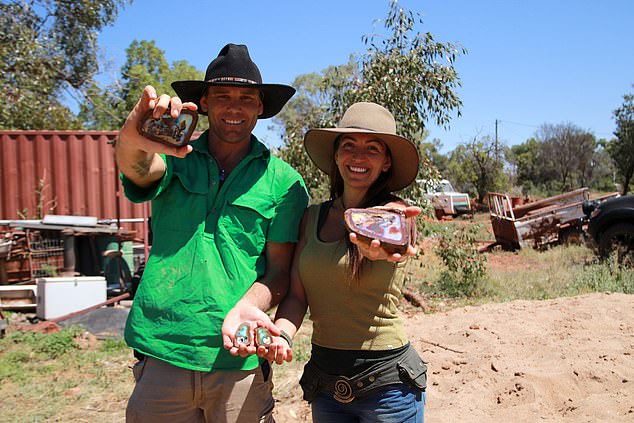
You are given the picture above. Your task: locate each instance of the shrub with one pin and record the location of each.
(466, 267)
(55, 345)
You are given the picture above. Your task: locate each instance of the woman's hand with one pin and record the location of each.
(278, 351)
(374, 251)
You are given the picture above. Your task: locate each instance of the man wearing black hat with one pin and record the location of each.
(225, 218)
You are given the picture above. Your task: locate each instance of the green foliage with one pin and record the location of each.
(478, 167)
(308, 109)
(43, 206)
(301, 348)
(466, 267)
(48, 49)
(567, 153)
(61, 376)
(113, 345)
(431, 150)
(603, 277)
(604, 170)
(412, 75)
(407, 71)
(527, 274)
(56, 344)
(49, 270)
(45, 346)
(526, 159)
(621, 149)
(17, 357)
(560, 158)
(427, 225)
(107, 108)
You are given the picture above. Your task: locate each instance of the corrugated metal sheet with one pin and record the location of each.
(65, 173)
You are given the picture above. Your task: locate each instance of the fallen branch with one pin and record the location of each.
(414, 299)
(441, 346)
(487, 247)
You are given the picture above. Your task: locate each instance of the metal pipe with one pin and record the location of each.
(96, 306)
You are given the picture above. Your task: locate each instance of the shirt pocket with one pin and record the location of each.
(247, 220)
(182, 207)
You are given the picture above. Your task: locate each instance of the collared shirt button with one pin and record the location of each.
(371, 379)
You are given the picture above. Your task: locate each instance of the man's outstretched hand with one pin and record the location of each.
(243, 312)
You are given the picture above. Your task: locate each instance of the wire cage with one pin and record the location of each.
(46, 248)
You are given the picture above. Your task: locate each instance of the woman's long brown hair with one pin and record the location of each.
(377, 195)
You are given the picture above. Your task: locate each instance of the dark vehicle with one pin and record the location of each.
(611, 227)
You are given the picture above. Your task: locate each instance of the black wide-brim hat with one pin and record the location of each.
(234, 67)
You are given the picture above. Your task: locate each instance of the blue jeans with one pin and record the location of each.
(391, 404)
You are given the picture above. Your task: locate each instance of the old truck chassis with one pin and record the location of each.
(538, 223)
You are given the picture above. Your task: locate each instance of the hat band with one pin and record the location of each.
(358, 127)
(233, 79)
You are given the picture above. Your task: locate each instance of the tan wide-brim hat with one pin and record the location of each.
(366, 118)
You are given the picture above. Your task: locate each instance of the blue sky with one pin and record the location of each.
(528, 63)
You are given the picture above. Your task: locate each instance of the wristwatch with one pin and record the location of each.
(287, 338)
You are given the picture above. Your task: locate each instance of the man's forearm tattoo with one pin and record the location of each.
(142, 167)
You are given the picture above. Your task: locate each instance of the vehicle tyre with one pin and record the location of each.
(618, 240)
(571, 236)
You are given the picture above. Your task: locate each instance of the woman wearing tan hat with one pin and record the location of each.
(362, 367)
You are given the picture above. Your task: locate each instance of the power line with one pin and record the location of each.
(517, 123)
(538, 126)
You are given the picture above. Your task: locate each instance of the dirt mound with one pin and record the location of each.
(562, 360)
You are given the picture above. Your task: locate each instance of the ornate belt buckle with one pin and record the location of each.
(343, 390)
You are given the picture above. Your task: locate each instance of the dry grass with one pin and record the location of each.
(90, 380)
(529, 274)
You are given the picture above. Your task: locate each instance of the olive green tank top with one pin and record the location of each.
(349, 316)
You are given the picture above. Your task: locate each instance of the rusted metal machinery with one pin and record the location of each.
(539, 223)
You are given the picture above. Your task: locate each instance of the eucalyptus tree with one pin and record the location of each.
(309, 108)
(621, 149)
(107, 107)
(410, 73)
(527, 159)
(475, 166)
(407, 71)
(567, 153)
(48, 54)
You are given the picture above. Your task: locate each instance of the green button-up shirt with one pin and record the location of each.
(208, 249)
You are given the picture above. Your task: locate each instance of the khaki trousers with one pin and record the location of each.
(168, 394)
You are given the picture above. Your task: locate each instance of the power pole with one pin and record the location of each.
(497, 149)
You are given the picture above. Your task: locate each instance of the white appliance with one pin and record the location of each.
(60, 296)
